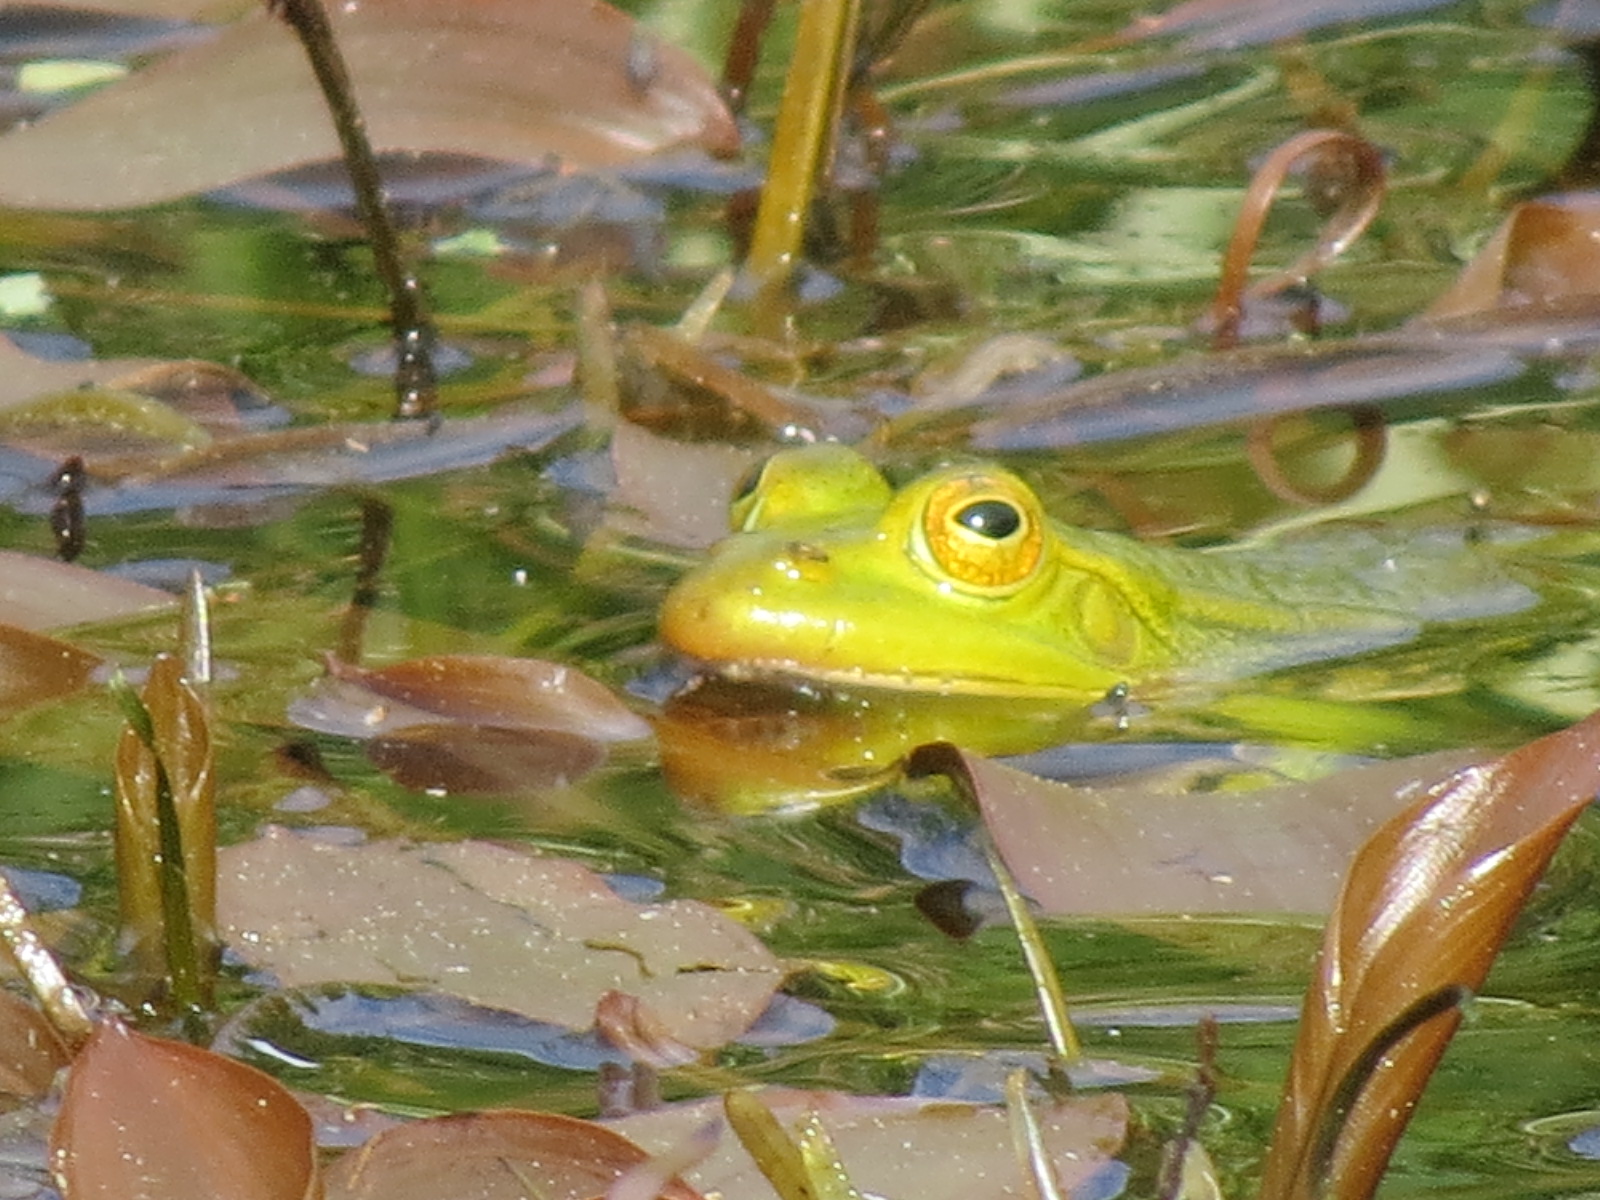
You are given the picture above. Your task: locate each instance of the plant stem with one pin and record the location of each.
(416, 388)
(802, 144)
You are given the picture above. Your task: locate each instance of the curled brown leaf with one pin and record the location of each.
(1345, 179)
(1426, 906)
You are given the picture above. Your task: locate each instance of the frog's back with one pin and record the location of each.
(1245, 609)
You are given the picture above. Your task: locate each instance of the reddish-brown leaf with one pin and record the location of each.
(516, 80)
(1545, 254)
(145, 1119)
(467, 689)
(1426, 905)
(491, 1156)
(35, 668)
(30, 1051)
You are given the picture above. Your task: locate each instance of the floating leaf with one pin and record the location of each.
(41, 593)
(472, 724)
(539, 936)
(145, 1119)
(1194, 393)
(1427, 904)
(898, 1146)
(24, 376)
(492, 1156)
(30, 1051)
(1545, 254)
(467, 689)
(252, 469)
(517, 80)
(1134, 850)
(34, 668)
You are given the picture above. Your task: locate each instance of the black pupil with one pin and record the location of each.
(993, 519)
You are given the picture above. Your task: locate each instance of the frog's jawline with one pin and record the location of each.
(786, 671)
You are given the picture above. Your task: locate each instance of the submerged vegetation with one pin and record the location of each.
(407, 811)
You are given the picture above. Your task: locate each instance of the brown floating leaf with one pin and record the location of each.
(41, 593)
(34, 668)
(1428, 901)
(145, 1119)
(1545, 254)
(491, 1156)
(539, 936)
(900, 1146)
(30, 1051)
(517, 80)
(467, 689)
(1132, 850)
(472, 724)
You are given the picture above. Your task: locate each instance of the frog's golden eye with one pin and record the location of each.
(984, 533)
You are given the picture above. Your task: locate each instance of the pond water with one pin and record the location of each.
(1035, 189)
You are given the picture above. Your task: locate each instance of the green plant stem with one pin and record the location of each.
(802, 143)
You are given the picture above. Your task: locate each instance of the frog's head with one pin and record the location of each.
(957, 583)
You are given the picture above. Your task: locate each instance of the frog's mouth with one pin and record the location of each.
(796, 676)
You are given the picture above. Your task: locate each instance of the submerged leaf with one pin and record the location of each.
(483, 760)
(1425, 908)
(516, 80)
(145, 1119)
(534, 935)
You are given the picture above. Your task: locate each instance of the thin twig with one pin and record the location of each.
(416, 387)
(1046, 983)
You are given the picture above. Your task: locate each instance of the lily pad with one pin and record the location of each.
(539, 936)
(1135, 851)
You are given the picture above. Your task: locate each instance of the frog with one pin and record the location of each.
(960, 583)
